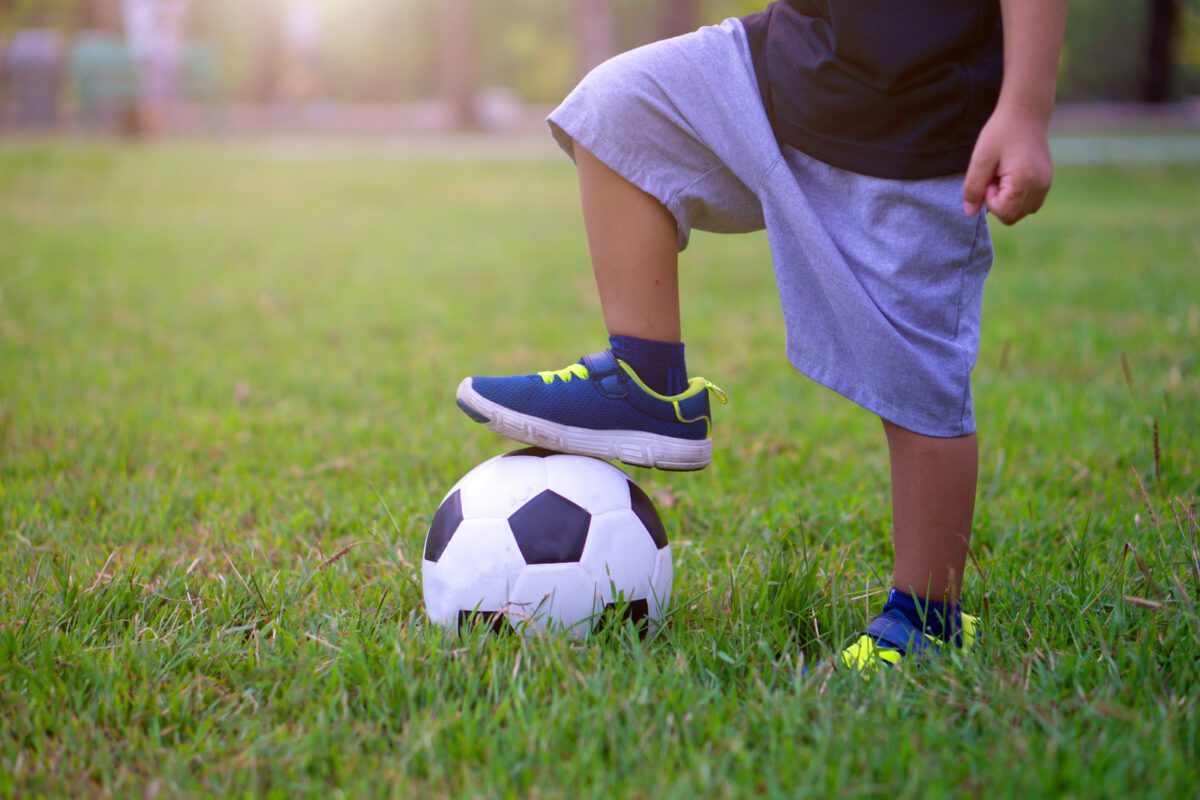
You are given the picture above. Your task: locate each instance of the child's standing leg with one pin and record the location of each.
(933, 502)
(632, 239)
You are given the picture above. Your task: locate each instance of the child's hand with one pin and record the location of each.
(1010, 168)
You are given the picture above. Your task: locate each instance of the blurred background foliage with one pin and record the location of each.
(394, 50)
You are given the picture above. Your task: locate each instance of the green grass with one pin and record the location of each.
(219, 368)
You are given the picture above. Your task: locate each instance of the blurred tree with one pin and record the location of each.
(1160, 56)
(101, 15)
(18, 14)
(1098, 60)
(458, 61)
(530, 46)
(265, 28)
(680, 16)
(402, 50)
(597, 30)
(1189, 50)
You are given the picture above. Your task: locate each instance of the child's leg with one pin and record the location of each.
(667, 138)
(633, 243)
(632, 240)
(933, 502)
(633, 402)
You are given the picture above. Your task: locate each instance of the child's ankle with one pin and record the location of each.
(660, 365)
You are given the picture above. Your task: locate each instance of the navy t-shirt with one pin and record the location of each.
(890, 88)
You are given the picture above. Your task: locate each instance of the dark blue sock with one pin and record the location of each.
(659, 364)
(942, 620)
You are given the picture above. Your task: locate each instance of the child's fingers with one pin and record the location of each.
(1003, 203)
(1013, 200)
(978, 181)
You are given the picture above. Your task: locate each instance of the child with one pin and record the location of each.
(844, 127)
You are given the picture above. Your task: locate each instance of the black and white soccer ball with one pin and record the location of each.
(538, 541)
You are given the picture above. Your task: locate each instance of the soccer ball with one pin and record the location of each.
(539, 541)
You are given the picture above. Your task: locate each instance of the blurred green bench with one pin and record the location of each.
(105, 78)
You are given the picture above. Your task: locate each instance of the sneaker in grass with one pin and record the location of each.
(891, 638)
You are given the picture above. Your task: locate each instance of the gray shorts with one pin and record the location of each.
(880, 280)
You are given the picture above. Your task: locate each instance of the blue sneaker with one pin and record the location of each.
(598, 407)
(892, 638)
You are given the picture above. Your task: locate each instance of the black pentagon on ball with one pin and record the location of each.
(643, 506)
(534, 452)
(550, 529)
(635, 611)
(491, 621)
(445, 522)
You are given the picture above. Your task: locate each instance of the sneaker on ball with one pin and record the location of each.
(598, 407)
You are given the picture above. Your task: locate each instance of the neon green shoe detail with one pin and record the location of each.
(695, 386)
(971, 632)
(890, 637)
(865, 655)
(566, 374)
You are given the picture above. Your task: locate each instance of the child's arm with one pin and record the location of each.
(1010, 168)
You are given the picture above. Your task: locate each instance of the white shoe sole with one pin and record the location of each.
(638, 448)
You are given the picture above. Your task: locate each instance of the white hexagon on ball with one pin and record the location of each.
(500, 486)
(555, 598)
(591, 483)
(487, 545)
(620, 556)
(660, 587)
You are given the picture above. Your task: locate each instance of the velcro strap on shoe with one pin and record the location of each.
(897, 632)
(606, 374)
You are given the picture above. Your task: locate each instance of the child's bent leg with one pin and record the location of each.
(662, 148)
(933, 503)
(633, 402)
(633, 244)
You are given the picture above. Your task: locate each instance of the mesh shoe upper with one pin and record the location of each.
(604, 395)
